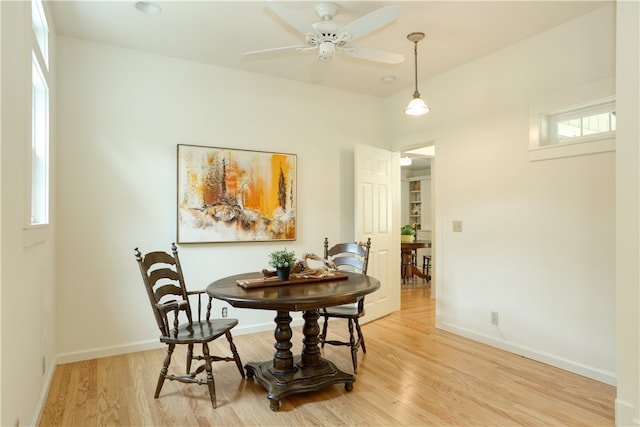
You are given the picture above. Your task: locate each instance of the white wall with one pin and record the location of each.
(121, 115)
(27, 271)
(538, 239)
(628, 215)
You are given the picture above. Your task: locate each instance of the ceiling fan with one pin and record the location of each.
(328, 36)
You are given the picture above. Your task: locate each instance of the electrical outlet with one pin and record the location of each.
(494, 318)
(457, 226)
(224, 311)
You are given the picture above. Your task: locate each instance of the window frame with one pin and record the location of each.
(37, 213)
(578, 101)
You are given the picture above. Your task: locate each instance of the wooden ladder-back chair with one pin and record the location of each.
(348, 257)
(170, 301)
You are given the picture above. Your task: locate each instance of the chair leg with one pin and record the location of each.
(354, 347)
(323, 335)
(234, 351)
(360, 336)
(210, 381)
(164, 370)
(426, 267)
(189, 358)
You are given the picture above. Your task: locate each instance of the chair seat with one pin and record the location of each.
(203, 331)
(344, 311)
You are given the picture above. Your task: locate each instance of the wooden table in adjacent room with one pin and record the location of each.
(288, 374)
(408, 256)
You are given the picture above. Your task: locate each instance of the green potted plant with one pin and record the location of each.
(407, 233)
(282, 260)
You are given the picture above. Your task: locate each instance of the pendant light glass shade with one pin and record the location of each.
(417, 106)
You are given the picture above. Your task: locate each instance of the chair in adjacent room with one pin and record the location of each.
(348, 257)
(171, 304)
(426, 267)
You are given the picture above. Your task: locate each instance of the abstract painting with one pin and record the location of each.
(231, 195)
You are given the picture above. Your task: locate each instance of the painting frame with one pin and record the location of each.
(235, 195)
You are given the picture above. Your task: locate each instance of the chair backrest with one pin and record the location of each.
(349, 256)
(164, 282)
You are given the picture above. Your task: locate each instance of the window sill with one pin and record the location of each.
(558, 151)
(34, 234)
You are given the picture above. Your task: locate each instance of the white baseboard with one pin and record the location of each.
(48, 377)
(96, 353)
(549, 359)
(626, 414)
(99, 352)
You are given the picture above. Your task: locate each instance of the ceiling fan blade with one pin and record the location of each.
(290, 18)
(278, 50)
(371, 54)
(372, 21)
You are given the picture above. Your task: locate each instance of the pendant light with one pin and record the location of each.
(416, 106)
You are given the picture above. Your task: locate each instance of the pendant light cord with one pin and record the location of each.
(416, 94)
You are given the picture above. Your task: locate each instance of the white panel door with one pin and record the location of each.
(377, 209)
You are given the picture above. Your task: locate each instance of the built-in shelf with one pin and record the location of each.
(415, 203)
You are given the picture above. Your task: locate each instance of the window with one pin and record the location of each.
(583, 123)
(39, 147)
(40, 29)
(37, 213)
(573, 122)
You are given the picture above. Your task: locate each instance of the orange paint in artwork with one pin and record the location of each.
(210, 188)
(196, 185)
(253, 193)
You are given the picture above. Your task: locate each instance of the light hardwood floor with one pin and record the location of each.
(411, 375)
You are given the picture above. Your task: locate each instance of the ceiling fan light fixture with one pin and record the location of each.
(417, 106)
(326, 50)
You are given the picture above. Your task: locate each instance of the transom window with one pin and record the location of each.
(576, 121)
(582, 123)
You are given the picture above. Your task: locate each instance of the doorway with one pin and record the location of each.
(417, 207)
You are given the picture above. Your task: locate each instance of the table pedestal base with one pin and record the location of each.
(411, 271)
(299, 380)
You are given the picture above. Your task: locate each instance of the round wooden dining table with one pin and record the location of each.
(286, 374)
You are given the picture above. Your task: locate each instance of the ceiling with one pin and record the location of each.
(418, 163)
(219, 32)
